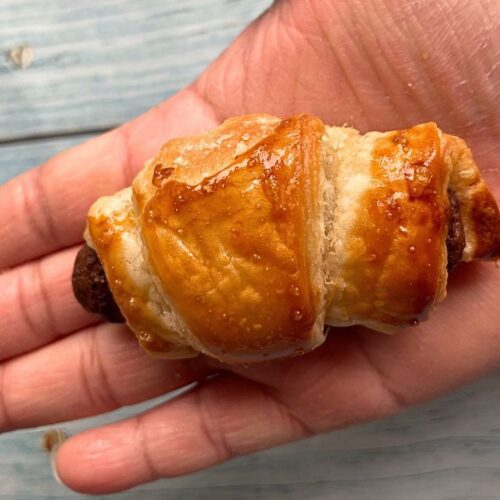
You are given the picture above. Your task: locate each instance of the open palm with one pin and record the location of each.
(374, 65)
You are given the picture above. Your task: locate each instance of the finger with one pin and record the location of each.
(218, 420)
(44, 209)
(38, 304)
(93, 371)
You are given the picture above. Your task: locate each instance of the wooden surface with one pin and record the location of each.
(97, 66)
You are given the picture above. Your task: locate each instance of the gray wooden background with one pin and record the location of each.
(97, 64)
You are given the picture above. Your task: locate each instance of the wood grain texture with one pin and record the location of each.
(100, 63)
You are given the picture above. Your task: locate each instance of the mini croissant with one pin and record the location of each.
(241, 243)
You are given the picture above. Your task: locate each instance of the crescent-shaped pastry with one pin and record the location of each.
(241, 243)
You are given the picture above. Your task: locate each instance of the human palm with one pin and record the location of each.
(374, 65)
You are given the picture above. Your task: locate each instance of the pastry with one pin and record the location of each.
(243, 242)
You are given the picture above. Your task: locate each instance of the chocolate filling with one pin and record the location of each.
(455, 239)
(92, 291)
(91, 288)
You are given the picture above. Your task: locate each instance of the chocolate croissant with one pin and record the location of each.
(243, 242)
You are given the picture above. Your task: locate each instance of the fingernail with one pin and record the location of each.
(54, 467)
(51, 442)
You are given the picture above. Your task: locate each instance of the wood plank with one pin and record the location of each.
(98, 64)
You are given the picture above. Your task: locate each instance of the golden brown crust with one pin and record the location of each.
(191, 159)
(231, 250)
(395, 258)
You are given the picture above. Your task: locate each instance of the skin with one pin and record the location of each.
(379, 64)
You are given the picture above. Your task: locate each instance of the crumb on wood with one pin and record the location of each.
(53, 438)
(22, 56)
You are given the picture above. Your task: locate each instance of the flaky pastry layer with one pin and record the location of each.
(242, 242)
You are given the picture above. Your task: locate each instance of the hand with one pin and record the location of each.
(374, 65)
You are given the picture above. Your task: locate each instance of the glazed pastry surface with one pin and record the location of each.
(241, 243)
